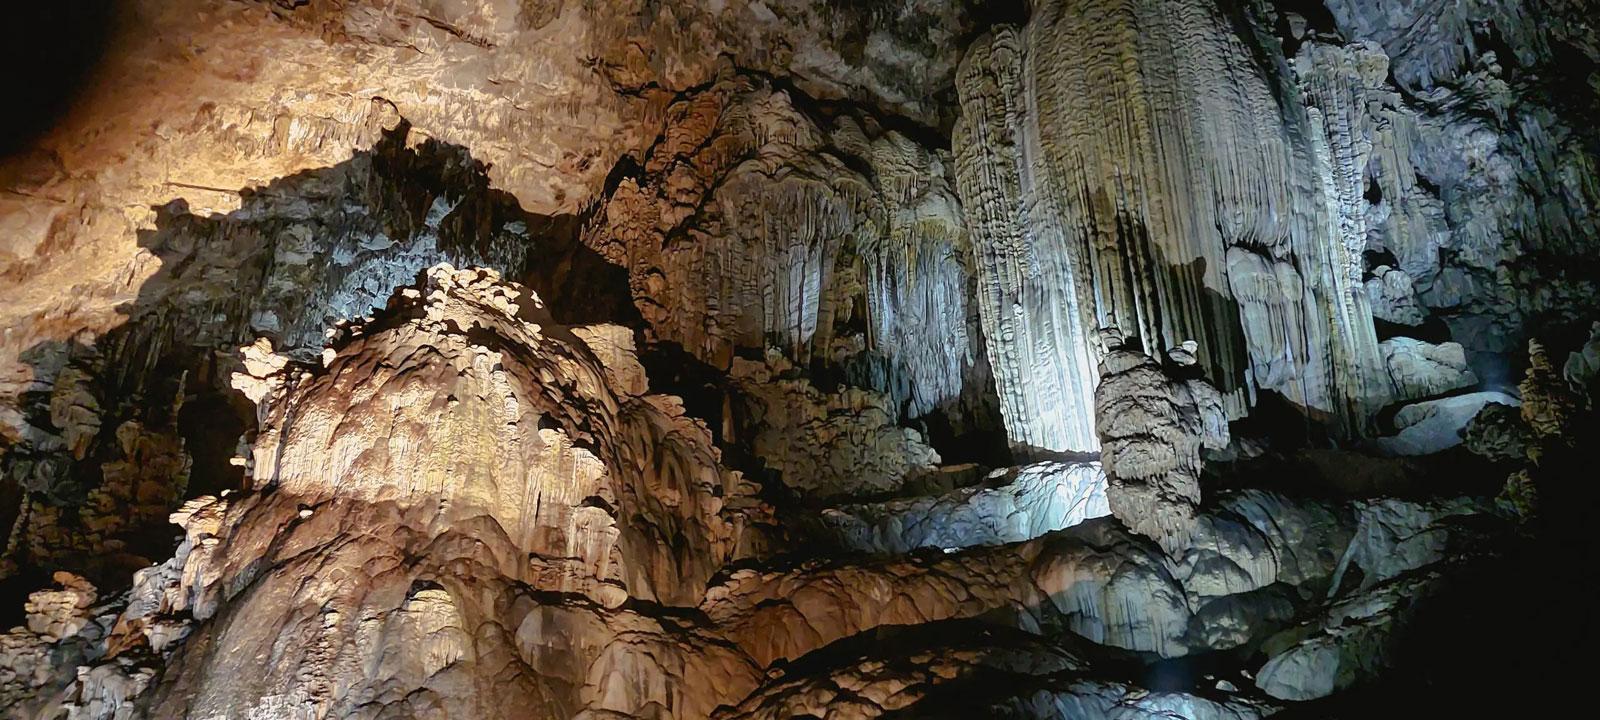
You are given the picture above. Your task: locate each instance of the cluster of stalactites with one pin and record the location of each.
(1132, 165)
(916, 274)
(1029, 276)
(754, 227)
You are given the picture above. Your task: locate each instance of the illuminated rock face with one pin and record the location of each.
(1012, 506)
(749, 225)
(449, 462)
(1112, 181)
(898, 358)
(405, 574)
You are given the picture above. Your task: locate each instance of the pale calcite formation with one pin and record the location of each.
(1007, 506)
(1394, 297)
(471, 504)
(65, 631)
(1490, 211)
(1111, 180)
(404, 575)
(1434, 426)
(1419, 369)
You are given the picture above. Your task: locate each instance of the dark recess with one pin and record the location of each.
(52, 50)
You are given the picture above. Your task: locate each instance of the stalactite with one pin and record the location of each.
(1099, 140)
(1029, 275)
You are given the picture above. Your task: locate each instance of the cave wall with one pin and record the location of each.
(813, 356)
(1148, 167)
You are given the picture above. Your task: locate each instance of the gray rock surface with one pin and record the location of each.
(1437, 425)
(1419, 369)
(851, 242)
(1152, 428)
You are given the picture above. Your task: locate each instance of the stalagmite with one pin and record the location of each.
(1152, 428)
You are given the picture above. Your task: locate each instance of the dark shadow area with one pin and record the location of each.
(52, 49)
(1509, 630)
(1328, 473)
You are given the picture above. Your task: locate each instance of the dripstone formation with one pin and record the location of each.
(800, 358)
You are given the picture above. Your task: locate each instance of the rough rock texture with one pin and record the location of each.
(1152, 428)
(1436, 425)
(1344, 647)
(824, 445)
(453, 461)
(806, 346)
(220, 107)
(1497, 432)
(402, 576)
(1001, 675)
(1394, 297)
(1419, 369)
(1485, 195)
(131, 418)
(749, 224)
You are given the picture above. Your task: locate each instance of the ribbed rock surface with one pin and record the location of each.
(975, 290)
(453, 461)
(1112, 181)
(239, 110)
(114, 454)
(824, 445)
(748, 225)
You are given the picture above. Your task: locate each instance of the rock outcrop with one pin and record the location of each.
(386, 570)
(1006, 507)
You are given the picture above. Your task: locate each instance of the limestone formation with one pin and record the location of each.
(774, 358)
(1436, 425)
(1008, 506)
(1004, 675)
(749, 226)
(1194, 213)
(1498, 433)
(1152, 430)
(1394, 297)
(825, 445)
(1420, 370)
(1348, 645)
